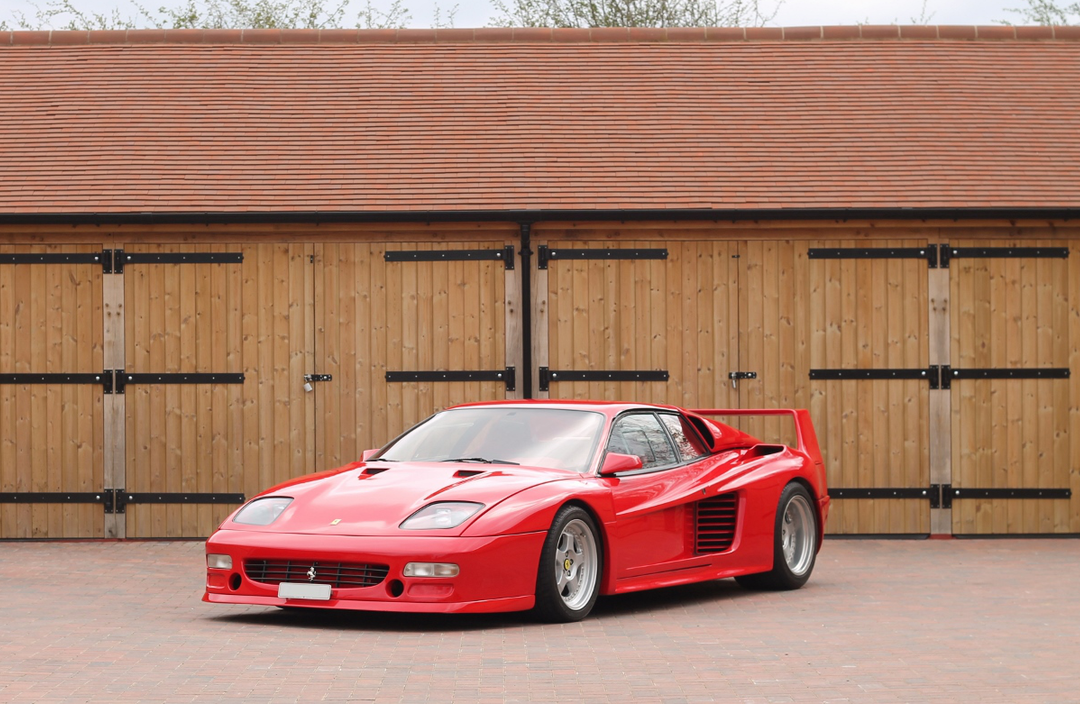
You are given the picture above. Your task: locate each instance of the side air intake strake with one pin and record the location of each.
(336, 574)
(714, 521)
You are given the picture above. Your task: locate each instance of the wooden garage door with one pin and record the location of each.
(51, 438)
(1012, 316)
(704, 309)
(867, 315)
(199, 444)
(394, 320)
(664, 310)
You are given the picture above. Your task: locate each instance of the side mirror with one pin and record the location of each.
(616, 462)
(368, 454)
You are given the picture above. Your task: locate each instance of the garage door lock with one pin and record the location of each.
(735, 376)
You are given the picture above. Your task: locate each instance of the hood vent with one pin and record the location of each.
(464, 473)
(369, 471)
(714, 523)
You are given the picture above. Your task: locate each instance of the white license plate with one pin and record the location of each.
(294, 590)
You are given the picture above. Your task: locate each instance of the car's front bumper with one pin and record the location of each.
(496, 573)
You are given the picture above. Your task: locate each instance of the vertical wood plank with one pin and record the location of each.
(381, 425)
(115, 422)
(513, 325)
(940, 410)
(542, 322)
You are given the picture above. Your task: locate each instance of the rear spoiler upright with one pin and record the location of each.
(804, 427)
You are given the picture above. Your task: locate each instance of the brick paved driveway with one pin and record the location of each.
(880, 621)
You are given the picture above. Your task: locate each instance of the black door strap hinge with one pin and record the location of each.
(504, 255)
(546, 254)
(938, 256)
(931, 374)
(950, 374)
(104, 378)
(507, 376)
(124, 379)
(550, 376)
(123, 498)
(943, 495)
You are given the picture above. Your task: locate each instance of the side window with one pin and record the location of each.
(642, 435)
(686, 439)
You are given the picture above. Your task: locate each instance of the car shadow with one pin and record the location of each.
(651, 601)
(669, 598)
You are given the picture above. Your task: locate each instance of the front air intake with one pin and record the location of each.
(714, 522)
(336, 574)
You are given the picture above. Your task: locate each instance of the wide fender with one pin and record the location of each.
(533, 510)
(769, 476)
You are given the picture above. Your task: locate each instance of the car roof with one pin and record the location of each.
(610, 408)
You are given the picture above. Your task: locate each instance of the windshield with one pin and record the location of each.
(538, 437)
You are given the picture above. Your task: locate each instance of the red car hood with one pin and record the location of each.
(368, 501)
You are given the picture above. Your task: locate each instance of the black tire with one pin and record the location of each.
(565, 595)
(790, 569)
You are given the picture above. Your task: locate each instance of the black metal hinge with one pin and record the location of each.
(104, 378)
(115, 500)
(928, 253)
(549, 376)
(59, 497)
(938, 256)
(930, 374)
(112, 260)
(103, 259)
(885, 493)
(948, 253)
(123, 498)
(120, 258)
(507, 376)
(546, 254)
(950, 374)
(124, 379)
(943, 495)
(504, 255)
(950, 493)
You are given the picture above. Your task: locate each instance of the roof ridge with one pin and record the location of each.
(542, 35)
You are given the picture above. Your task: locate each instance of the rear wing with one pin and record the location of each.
(804, 427)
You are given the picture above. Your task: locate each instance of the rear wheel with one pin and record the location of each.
(568, 578)
(795, 539)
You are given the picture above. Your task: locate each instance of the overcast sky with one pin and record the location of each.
(792, 13)
(797, 13)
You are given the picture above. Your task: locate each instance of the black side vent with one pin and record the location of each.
(714, 521)
(374, 470)
(762, 449)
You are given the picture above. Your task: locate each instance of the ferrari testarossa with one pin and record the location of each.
(539, 505)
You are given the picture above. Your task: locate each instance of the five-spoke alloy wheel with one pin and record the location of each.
(795, 543)
(568, 578)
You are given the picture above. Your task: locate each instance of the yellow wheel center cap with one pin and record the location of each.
(567, 564)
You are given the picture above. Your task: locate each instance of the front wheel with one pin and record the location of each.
(795, 538)
(568, 578)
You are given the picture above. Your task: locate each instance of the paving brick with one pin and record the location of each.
(880, 621)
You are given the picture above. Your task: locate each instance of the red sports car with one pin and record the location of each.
(539, 505)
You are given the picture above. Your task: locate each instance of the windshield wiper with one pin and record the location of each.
(481, 460)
